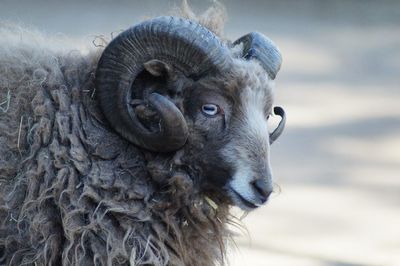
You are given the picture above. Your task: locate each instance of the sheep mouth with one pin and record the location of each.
(241, 202)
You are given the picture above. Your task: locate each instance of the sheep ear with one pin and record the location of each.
(157, 68)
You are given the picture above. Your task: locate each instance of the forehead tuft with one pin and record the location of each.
(249, 82)
(242, 80)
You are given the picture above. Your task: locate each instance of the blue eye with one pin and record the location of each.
(210, 109)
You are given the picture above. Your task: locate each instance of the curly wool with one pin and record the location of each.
(72, 191)
(82, 192)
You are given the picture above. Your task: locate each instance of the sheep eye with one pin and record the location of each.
(210, 109)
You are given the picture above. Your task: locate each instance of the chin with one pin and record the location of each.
(242, 202)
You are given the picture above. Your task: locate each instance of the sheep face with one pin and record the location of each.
(188, 91)
(232, 119)
(227, 116)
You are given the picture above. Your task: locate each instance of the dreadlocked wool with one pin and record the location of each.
(72, 191)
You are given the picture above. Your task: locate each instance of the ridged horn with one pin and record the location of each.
(261, 48)
(184, 44)
(281, 126)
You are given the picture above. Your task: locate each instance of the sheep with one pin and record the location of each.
(133, 154)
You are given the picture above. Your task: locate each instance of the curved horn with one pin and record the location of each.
(258, 46)
(184, 44)
(278, 131)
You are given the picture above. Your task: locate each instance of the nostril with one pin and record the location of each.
(262, 188)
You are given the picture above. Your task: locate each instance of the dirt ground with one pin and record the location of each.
(338, 163)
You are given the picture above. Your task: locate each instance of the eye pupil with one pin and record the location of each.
(210, 109)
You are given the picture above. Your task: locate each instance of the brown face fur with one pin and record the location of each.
(229, 151)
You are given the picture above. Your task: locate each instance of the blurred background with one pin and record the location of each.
(338, 162)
